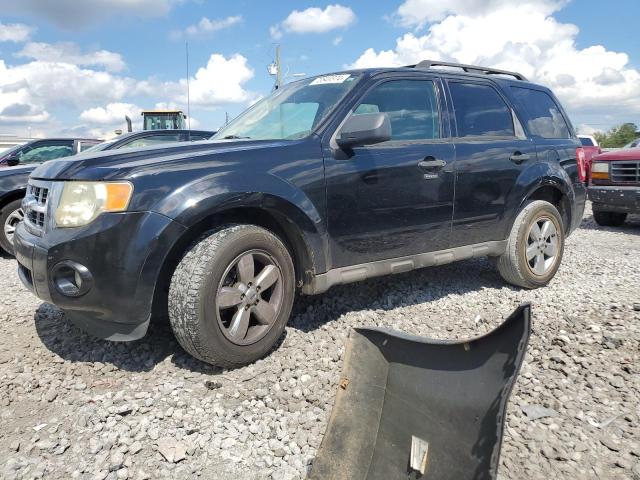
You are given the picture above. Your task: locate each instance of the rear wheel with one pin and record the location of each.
(231, 295)
(10, 216)
(534, 247)
(609, 219)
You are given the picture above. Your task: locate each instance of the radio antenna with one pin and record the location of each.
(188, 93)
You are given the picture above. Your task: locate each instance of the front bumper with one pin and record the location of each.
(622, 199)
(124, 253)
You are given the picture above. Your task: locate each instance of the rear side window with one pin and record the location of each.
(586, 142)
(480, 111)
(411, 106)
(544, 118)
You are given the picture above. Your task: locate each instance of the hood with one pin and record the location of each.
(625, 154)
(17, 170)
(121, 164)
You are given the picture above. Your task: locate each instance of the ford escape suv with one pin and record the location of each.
(329, 180)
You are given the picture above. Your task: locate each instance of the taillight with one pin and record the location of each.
(582, 164)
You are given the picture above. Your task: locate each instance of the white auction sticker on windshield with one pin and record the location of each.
(330, 79)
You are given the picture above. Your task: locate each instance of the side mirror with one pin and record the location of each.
(365, 129)
(13, 160)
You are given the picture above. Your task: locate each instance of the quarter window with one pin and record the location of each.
(480, 111)
(411, 106)
(544, 117)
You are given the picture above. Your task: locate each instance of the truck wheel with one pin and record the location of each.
(534, 247)
(231, 295)
(609, 219)
(10, 215)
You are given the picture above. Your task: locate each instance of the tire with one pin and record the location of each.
(10, 216)
(538, 271)
(609, 219)
(216, 264)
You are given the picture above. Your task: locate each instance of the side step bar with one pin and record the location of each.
(409, 407)
(355, 273)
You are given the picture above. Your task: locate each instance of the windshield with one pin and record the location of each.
(9, 151)
(101, 146)
(291, 112)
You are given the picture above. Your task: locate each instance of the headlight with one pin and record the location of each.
(81, 202)
(600, 171)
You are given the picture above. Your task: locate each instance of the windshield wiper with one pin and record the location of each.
(235, 137)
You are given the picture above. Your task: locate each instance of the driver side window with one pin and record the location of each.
(411, 105)
(42, 153)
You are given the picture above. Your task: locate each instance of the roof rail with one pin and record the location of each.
(427, 64)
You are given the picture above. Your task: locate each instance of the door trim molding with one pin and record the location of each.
(355, 273)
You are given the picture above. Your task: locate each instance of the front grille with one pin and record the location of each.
(35, 206)
(625, 171)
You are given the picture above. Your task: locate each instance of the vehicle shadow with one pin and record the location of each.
(631, 226)
(70, 343)
(64, 339)
(411, 288)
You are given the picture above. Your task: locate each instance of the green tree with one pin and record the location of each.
(617, 136)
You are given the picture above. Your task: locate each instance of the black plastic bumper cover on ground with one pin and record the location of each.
(452, 395)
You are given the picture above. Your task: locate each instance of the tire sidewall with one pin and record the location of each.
(235, 244)
(7, 210)
(542, 210)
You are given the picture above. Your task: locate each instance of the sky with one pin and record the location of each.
(77, 67)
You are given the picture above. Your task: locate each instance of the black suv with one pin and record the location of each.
(329, 180)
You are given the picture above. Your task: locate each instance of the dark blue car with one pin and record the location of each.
(23, 159)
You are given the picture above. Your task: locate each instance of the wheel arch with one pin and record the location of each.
(296, 237)
(11, 196)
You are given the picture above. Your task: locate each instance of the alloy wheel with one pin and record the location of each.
(542, 246)
(249, 297)
(11, 223)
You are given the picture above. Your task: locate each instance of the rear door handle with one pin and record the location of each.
(518, 158)
(431, 163)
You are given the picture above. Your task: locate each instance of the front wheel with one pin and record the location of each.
(534, 247)
(231, 295)
(10, 216)
(609, 219)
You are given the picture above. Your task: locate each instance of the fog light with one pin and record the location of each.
(71, 279)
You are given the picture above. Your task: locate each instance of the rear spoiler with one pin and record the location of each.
(411, 407)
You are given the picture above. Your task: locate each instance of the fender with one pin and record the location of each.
(13, 182)
(220, 192)
(534, 177)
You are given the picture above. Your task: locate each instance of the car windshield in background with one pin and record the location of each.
(292, 112)
(586, 142)
(101, 146)
(634, 144)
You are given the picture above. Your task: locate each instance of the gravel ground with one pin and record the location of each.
(76, 407)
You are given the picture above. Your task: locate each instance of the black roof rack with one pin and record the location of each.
(426, 64)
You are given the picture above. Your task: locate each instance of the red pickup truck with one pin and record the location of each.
(590, 148)
(614, 186)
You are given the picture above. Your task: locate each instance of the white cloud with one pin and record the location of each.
(68, 52)
(337, 41)
(415, 13)
(208, 26)
(34, 91)
(315, 20)
(110, 114)
(15, 32)
(220, 82)
(524, 37)
(73, 14)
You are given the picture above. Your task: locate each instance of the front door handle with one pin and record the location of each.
(431, 163)
(519, 157)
